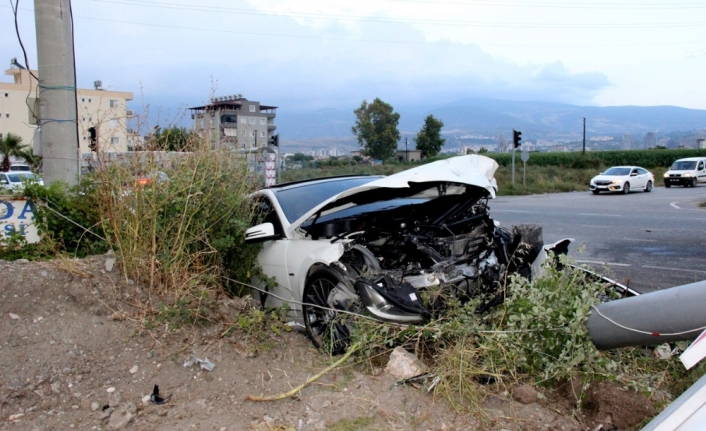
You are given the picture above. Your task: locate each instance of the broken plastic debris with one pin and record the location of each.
(205, 363)
(664, 351)
(155, 398)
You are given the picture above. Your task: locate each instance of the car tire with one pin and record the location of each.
(648, 187)
(323, 325)
(693, 182)
(626, 188)
(667, 185)
(595, 192)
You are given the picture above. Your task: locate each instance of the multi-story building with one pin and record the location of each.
(235, 122)
(106, 111)
(650, 140)
(627, 142)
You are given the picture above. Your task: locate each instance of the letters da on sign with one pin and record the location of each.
(18, 216)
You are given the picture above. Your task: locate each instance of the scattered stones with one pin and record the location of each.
(403, 364)
(122, 416)
(95, 406)
(243, 349)
(14, 316)
(525, 394)
(134, 369)
(109, 263)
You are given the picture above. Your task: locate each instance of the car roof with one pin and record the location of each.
(690, 159)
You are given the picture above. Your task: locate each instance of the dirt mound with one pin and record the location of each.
(75, 354)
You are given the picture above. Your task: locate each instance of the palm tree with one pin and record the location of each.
(34, 160)
(10, 145)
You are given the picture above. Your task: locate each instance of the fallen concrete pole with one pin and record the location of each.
(675, 314)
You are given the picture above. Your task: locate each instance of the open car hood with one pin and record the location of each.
(473, 170)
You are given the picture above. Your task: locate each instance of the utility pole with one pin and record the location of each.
(406, 153)
(584, 135)
(57, 91)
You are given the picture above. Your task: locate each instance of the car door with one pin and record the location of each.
(644, 176)
(273, 256)
(701, 171)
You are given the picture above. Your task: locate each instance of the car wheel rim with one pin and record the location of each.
(323, 324)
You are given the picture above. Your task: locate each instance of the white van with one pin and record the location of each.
(686, 172)
(20, 167)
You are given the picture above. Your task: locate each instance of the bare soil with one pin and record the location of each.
(75, 354)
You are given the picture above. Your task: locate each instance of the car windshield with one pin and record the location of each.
(683, 165)
(17, 177)
(366, 208)
(23, 168)
(296, 200)
(617, 171)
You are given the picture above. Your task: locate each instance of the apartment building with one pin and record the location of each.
(104, 110)
(236, 122)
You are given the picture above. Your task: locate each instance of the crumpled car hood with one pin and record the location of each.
(474, 170)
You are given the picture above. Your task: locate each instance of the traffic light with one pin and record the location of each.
(93, 137)
(516, 138)
(274, 141)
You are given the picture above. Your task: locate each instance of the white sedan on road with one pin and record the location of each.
(623, 179)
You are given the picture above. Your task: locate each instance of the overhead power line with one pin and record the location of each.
(424, 21)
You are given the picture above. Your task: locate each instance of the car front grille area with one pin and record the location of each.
(674, 175)
(602, 183)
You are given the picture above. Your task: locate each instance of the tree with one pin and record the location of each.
(34, 160)
(429, 138)
(172, 139)
(10, 145)
(482, 150)
(376, 129)
(301, 157)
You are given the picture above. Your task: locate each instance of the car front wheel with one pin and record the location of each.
(693, 182)
(648, 187)
(667, 185)
(595, 192)
(626, 188)
(325, 326)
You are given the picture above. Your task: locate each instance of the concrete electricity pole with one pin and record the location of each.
(57, 90)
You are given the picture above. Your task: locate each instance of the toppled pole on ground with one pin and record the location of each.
(675, 314)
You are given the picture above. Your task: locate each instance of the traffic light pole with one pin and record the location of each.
(513, 165)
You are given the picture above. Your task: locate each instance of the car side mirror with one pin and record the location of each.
(634, 174)
(260, 233)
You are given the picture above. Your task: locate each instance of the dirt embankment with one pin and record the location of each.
(74, 354)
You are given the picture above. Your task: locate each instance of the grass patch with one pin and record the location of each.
(703, 204)
(537, 336)
(538, 179)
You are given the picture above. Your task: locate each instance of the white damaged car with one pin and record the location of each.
(371, 245)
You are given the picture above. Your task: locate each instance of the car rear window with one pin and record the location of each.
(298, 199)
(683, 165)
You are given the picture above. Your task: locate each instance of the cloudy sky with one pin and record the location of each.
(309, 54)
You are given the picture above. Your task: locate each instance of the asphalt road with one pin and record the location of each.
(650, 240)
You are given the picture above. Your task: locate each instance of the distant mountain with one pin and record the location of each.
(491, 117)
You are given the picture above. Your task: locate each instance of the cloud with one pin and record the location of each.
(168, 61)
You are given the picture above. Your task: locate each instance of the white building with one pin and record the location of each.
(104, 110)
(627, 142)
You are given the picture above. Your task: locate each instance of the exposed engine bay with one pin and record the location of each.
(448, 243)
